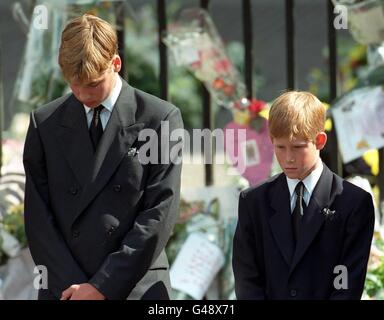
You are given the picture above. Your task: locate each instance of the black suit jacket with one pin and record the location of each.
(266, 263)
(102, 217)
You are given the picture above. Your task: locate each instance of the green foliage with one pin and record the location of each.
(374, 282)
(142, 67)
(352, 59)
(13, 223)
(185, 93)
(2, 255)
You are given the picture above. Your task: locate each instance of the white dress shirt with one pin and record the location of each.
(309, 185)
(108, 105)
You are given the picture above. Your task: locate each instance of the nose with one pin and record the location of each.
(83, 95)
(289, 157)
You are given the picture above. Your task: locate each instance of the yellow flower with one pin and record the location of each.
(242, 117)
(371, 157)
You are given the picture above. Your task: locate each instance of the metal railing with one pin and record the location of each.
(334, 162)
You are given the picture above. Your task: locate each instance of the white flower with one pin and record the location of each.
(328, 213)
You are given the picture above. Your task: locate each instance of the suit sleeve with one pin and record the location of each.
(152, 228)
(45, 241)
(249, 277)
(356, 249)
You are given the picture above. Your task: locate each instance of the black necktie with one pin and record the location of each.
(298, 211)
(96, 128)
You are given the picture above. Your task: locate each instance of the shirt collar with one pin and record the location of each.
(110, 101)
(309, 182)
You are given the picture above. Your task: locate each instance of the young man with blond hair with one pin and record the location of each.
(305, 233)
(96, 217)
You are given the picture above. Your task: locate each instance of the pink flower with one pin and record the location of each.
(222, 65)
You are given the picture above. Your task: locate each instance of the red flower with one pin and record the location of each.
(218, 83)
(229, 89)
(256, 106)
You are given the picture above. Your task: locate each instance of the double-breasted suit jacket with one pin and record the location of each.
(102, 217)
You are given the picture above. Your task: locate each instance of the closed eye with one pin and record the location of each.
(94, 85)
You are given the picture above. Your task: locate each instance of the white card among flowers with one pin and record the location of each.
(196, 265)
(366, 21)
(358, 118)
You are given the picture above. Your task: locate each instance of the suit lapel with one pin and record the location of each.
(119, 135)
(323, 195)
(280, 220)
(74, 141)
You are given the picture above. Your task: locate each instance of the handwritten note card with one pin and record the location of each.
(196, 265)
(359, 123)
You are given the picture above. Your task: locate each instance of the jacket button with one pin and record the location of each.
(293, 293)
(73, 190)
(117, 188)
(75, 233)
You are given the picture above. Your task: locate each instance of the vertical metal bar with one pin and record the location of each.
(335, 162)
(162, 26)
(204, 4)
(290, 43)
(1, 115)
(380, 181)
(248, 46)
(207, 121)
(120, 13)
(332, 53)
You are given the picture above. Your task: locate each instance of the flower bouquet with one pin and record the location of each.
(39, 78)
(195, 44)
(201, 223)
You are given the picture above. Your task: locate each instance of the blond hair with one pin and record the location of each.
(296, 114)
(88, 45)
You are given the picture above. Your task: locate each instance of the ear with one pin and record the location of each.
(321, 140)
(116, 63)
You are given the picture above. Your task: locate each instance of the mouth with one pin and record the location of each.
(290, 169)
(89, 103)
